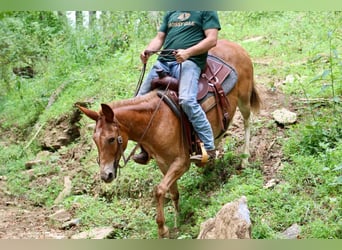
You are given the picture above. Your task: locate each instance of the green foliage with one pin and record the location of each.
(315, 137)
(60, 54)
(25, 38)
(101, 63)
(44, 195)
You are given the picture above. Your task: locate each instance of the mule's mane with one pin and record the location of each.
(139, 103)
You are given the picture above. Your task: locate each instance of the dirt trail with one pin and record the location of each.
(20, 220)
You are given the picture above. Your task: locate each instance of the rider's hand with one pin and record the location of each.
(144, 56)
(181, 55)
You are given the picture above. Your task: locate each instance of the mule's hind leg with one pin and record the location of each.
(175, 199)
(246, 112)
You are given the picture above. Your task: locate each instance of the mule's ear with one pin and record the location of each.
(107, 112)
(90, 113)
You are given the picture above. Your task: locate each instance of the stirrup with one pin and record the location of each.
(203, 158)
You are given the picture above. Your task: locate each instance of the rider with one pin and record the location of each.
(191, 34)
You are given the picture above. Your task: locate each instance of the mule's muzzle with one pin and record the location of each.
(109, 174)
(107, 177)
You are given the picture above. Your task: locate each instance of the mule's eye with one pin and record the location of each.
(111, 140)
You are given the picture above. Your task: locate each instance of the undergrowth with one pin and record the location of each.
(301, 51)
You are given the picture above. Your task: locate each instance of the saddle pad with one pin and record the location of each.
(224, 74)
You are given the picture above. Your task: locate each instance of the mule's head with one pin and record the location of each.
(109, 139)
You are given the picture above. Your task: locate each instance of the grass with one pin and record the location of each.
(303, 45)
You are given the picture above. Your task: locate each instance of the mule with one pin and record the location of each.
(150, 122)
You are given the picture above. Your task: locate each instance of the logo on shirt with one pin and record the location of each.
(184, 16)
(182, 21)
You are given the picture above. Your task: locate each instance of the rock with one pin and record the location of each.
(231, 222)
(70, 223)
(292, 232)
(30, 164)
(253, 39)
(24, 72)
(271, 183)
(96, 233)
(289, 79)
(61, 216)
(284, 116)
(11, 203)
(65, 192)
(43, 155)
(60, 132)
(30, 174)
(63, 140)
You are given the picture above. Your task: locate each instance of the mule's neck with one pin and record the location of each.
(137, 118)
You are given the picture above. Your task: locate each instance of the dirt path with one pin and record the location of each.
(20, 220)
(23, 221)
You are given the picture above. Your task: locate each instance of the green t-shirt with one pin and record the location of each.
(184, 29)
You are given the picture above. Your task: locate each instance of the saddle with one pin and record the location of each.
(215, 82)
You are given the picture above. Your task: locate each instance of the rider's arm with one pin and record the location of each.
(155, 44)
(202, 47)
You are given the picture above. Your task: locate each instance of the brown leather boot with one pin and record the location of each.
(211, 154)
(141, 158)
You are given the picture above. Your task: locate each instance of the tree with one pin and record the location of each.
(79, 19)
(92, 18)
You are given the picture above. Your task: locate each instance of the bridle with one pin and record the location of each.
(119, 140)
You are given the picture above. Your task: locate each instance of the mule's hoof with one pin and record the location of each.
(244, 163)
(164, 233)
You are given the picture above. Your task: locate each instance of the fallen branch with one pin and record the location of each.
(55, 95)
(34, 137)
(52, 99)
(315, 100)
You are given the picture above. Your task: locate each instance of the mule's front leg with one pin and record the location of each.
(171, 175)
(163, 230)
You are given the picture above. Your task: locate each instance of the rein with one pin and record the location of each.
(162, 52)
(116, 165)
(140, 79)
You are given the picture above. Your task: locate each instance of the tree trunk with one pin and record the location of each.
(79, 19)
(92, 18)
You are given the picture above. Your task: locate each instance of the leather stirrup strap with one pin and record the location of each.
(223, 102)
(219, 108)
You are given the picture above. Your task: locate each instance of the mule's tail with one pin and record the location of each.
(255, 100)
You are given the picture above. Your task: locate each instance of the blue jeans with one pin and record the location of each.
(188, 88)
